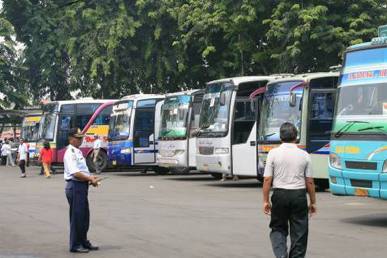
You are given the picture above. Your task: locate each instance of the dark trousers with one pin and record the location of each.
(77, 196)
(22, 166)
(289, 208)
(3, 160)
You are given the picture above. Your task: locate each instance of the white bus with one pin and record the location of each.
(307, 101)
(180, 115)
(133, 132)
(226, 141)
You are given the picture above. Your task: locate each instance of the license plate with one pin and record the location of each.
(114, 163)
(361, 192)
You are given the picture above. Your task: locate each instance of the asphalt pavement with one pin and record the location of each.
(145, 215)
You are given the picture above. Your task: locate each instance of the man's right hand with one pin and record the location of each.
(312, 209)
(267, 208)
(94, 181)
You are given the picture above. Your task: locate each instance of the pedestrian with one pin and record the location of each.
(289, 171)
(21, 158)
(3, 154)
(6, 151)
(78, 178)
(45, 158)
(96, 148)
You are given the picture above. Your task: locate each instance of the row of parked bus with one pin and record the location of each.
(228, 127)
(225, 129)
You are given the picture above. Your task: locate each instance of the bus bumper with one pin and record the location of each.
(214, 163)
(358, 183)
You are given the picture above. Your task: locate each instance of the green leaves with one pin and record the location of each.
(115, 47)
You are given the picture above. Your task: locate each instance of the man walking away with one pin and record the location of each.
(289, 169)
(21, 158)
(78, 178)
(96, 148)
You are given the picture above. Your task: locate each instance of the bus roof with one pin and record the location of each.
(142, 96)
(80, 101)
(187, 92)
(306, 77)
(238, 80)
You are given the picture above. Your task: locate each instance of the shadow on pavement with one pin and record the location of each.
(372, 220)
(191, 178)
(237, 184)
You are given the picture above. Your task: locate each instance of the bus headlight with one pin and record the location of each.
(126, 151)
(385, 166)
(221, 151)
(334, 161)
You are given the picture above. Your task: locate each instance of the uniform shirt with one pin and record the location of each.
(5, 149)
(22, 150)
(74, 162)
(289, 166)
(97, 144)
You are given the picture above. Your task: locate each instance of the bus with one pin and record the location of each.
(226, 141)
(307, 101)
(133, 132)
(30, 131)
(91, 116)
(358, 159)
(180, 115)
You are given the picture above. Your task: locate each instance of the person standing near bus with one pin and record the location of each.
(6, 150)
(21, 157)
(46, 158)
(289, 170)
(96, 148)
(78, 178)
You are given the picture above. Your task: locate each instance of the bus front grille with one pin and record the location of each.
(361, 165)
(361, 183)
(204, 150)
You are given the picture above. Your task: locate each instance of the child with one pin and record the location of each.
(46, 158)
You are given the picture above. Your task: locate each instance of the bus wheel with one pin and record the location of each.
(180, 170)
(217, 176)
(322, 184)
(102, 161)
(161, 171)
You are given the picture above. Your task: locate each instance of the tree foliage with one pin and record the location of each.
(115, 47)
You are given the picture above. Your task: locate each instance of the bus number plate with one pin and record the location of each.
(361, 192)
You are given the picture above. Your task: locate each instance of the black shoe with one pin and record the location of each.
(80, 250)
(91, 247)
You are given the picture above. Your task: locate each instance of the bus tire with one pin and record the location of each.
(217, 176)
(322, 184)
(161, 171)
(102, 160)
(180, 170)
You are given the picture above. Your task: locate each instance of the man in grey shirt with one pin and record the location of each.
(288, 169)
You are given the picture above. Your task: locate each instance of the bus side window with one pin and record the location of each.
(195, 118)
(244, 120)
(104, 117)
(84, 113)
(143, 127)
(320, 119)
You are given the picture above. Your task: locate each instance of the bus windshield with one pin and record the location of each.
(362, 100)
(214, 116)
(47, 126)
(119, 126)
(277, 110)
(30, 128)
(174, 116)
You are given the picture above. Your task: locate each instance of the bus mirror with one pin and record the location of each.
(222, 100)
(292, 99)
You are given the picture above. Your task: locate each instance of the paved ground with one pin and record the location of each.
(136, 215)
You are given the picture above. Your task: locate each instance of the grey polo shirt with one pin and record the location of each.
(289, 166)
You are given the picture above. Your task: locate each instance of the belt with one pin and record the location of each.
(284, 189)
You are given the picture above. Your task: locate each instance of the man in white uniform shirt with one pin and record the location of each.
(78, 178)
(21, 158)
(289, 169)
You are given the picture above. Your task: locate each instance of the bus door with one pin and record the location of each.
(244, 136)
(320, 119)
(144, 132)
(193, 126)
(65, 123)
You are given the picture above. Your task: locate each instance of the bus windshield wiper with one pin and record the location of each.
(268, 135)
(348, 125)
(380, 128)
